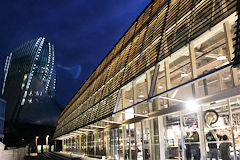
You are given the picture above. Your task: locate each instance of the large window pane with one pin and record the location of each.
(180, 67)
(212, 54)
(172, 136)
(218, 130)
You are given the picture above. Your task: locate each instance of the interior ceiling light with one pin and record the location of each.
(83, 129)
(79, 132)
(184, 75)
(160, 87)
(136, 114)
(130, 100)
(111, 122)
(221, 58)
(97, 126)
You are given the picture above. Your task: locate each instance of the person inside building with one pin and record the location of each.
(224, 148)
(187, 148)
(195, 150)
(212, 139)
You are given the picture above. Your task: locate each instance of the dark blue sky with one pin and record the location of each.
(83, 32)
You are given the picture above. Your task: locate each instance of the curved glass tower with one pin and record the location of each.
(29, 83)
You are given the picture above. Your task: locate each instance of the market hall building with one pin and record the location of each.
(169, 88)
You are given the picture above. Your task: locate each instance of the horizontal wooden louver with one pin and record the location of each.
(138, 50)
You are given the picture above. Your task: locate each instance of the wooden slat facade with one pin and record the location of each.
(161, 29)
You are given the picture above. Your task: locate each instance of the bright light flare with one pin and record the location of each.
(192, 105)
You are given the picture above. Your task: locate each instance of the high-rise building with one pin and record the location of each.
(166, 90)
(29, 82)
(2, 117)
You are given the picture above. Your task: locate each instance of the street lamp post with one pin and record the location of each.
(36, 140)
(47, 143)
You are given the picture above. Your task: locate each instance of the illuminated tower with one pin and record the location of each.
(29, 82)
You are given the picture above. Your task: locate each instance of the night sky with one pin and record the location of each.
(83, 32)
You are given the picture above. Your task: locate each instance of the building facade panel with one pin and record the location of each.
(183, 50)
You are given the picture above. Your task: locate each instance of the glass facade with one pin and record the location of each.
(186, 106)
(30, 74)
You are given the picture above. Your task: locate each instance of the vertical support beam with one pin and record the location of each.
(143, 146)
(153, 150)
(118, 100)
(161, 137)
(167, 75)
(134, 95)
(134, 92)
(123, 139)
(123, 103)
(80, 143)
(107, 132)
(202, 139)
(152, 84)
(232, 132)
(149, 85)
(149, 138)
(193, 69)
(63, 145)
(182, 137)
(70, 145)
(230, 50)
(87, 143)
(76, 143)
(95, 142)
(219, 75)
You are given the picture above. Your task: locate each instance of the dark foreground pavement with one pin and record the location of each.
(49, 156)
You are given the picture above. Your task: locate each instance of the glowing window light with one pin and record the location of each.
(221, 58)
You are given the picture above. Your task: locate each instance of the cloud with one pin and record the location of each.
(75, 70)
